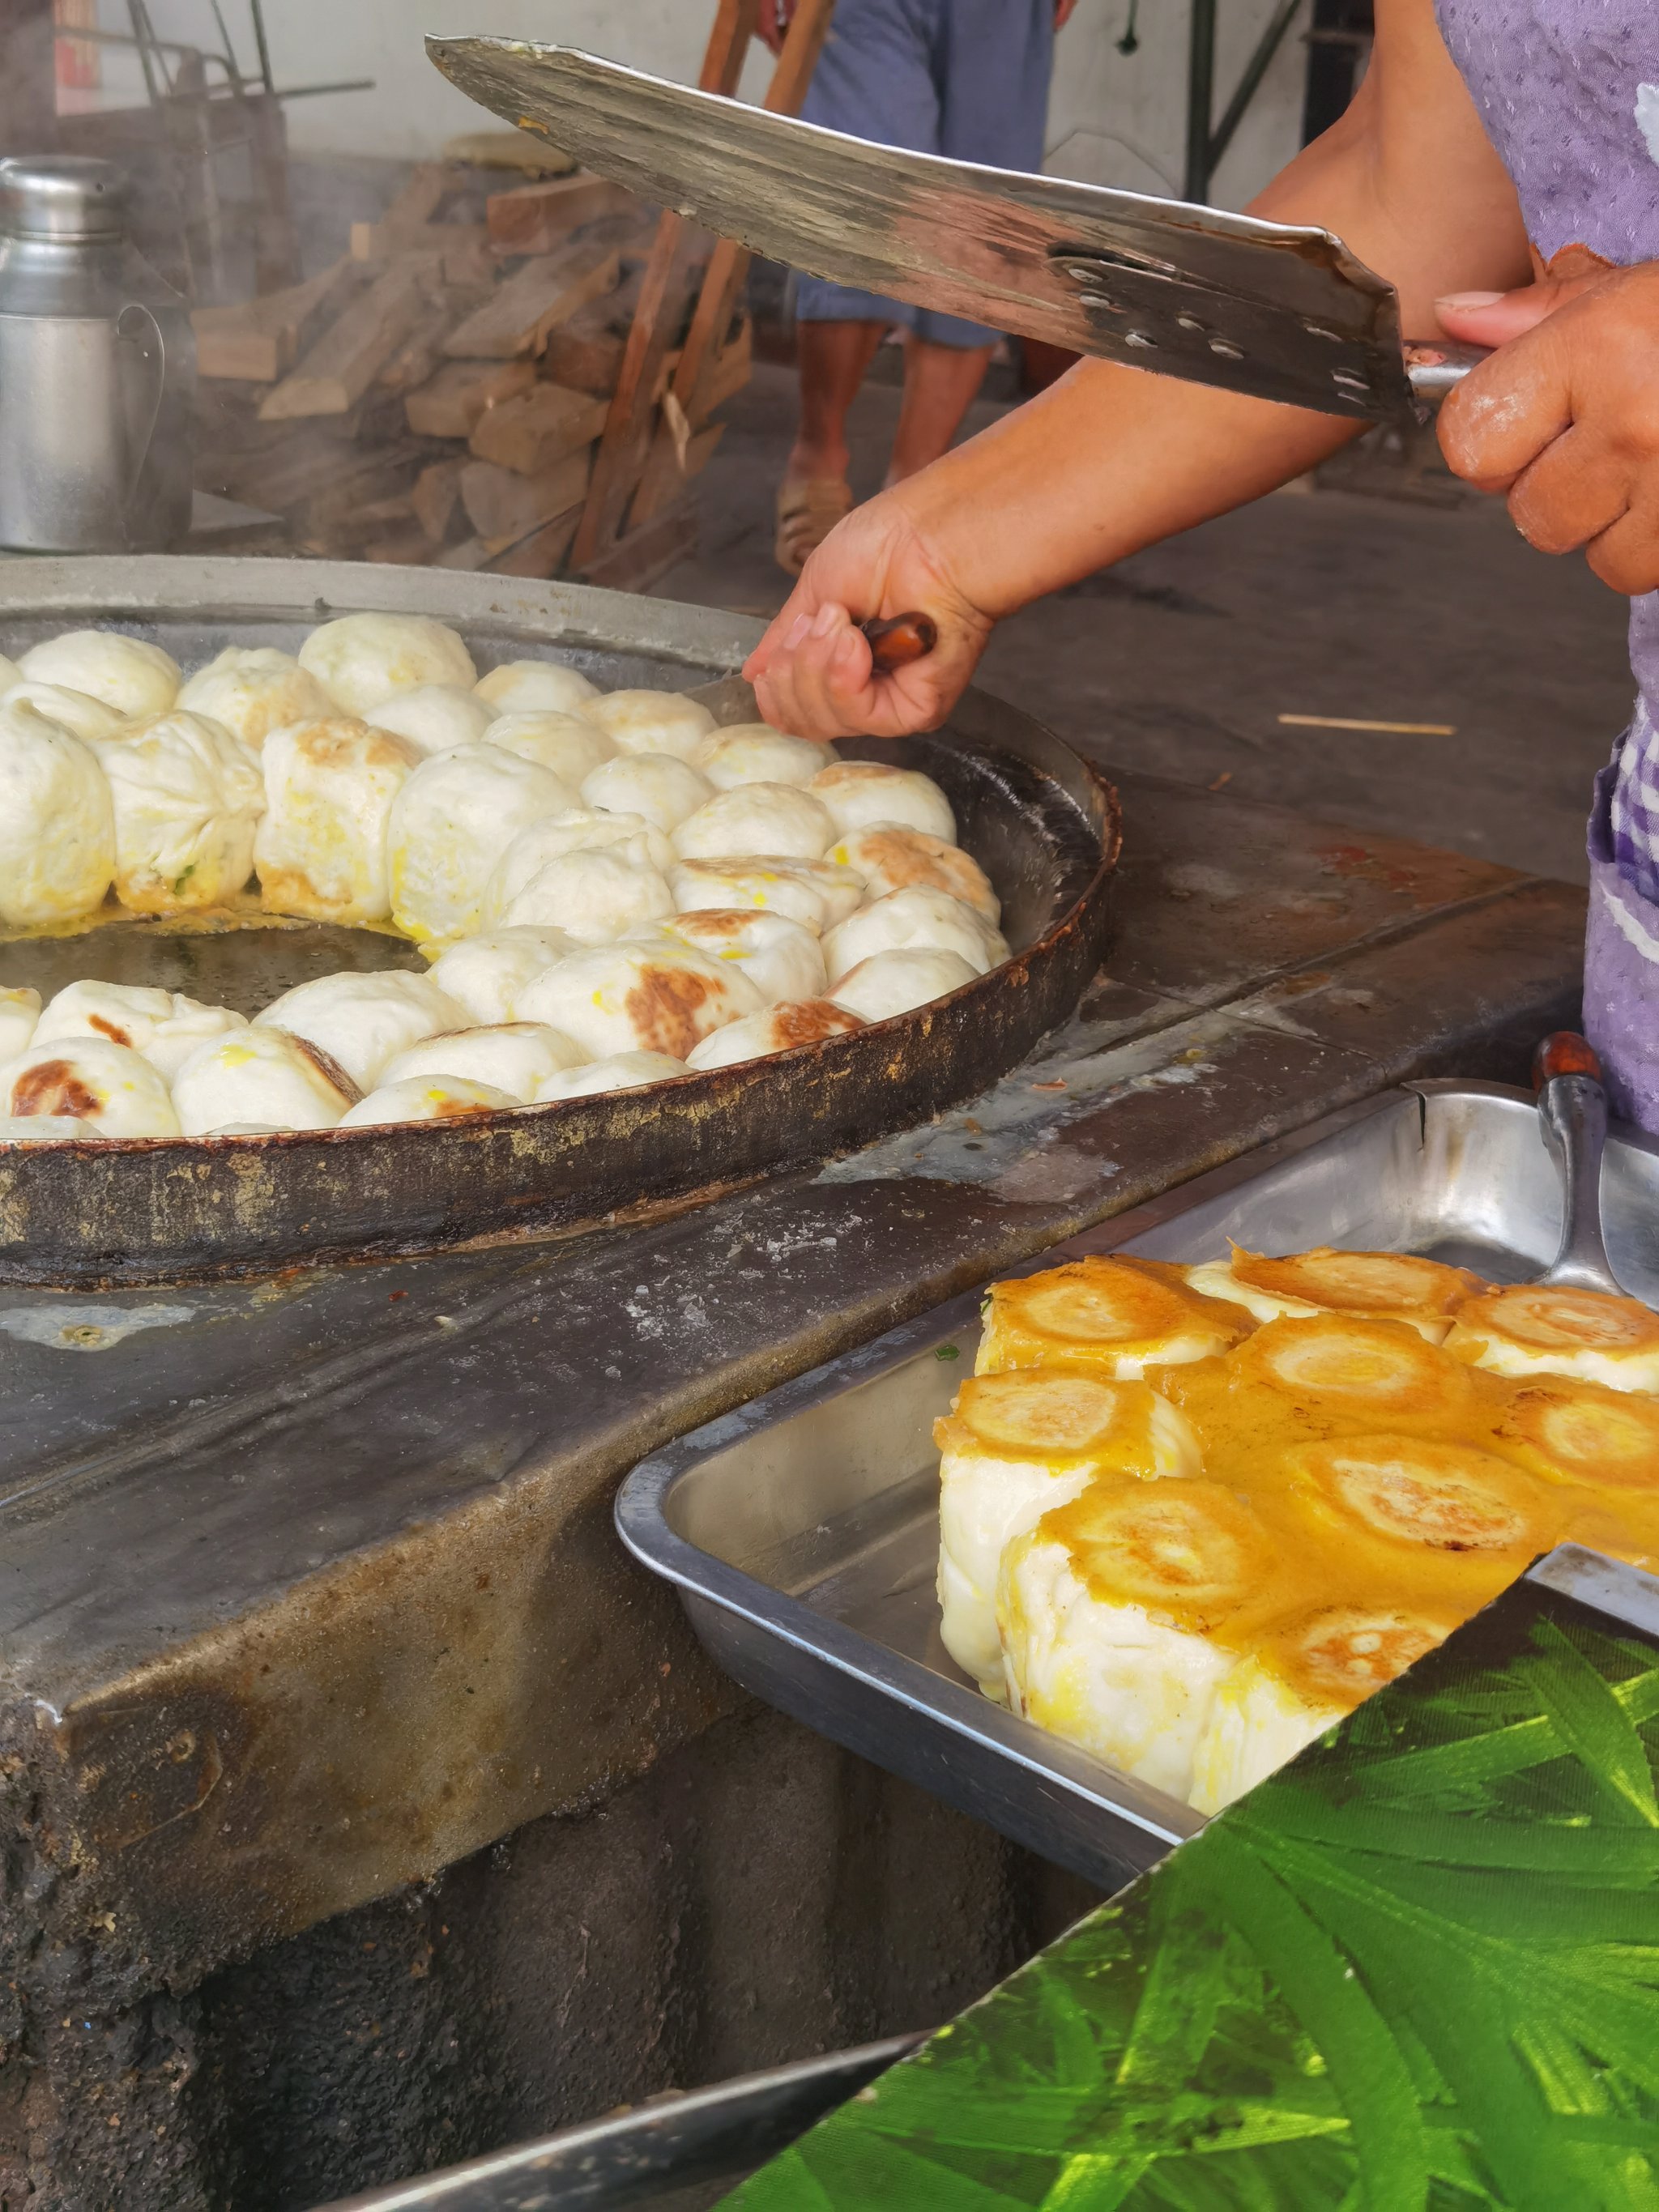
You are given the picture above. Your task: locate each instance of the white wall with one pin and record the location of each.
(1114, 118)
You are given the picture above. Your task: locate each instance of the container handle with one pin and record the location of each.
(137, 327)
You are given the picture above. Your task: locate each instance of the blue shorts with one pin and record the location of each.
(965, 78)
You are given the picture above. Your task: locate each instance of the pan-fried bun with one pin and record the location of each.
(574, 830)
(593, 897)
(807, 890)
(434, 717)
(1385, 1285)
(450, 825)
(89, 1079)
(320, 847)
(188, 798)
(892, 858)
(859, 792)
(77, 712)
(781, 958)
(1535, 1329)
(20, 1010)
(756, 818)
(263, 1077)
(361, 659)
(254, 689)
(510, 1056)
(652, 721)
(914, 918)
(482, 974)
(663, 997)
(894, 982)
(617, 1071)
(779, 1028)
(753, 752)
(427, 1098)
(569, 744)
(662, 788)
(535, 687)
(127, 673)
(363, 1021)
(57, 822)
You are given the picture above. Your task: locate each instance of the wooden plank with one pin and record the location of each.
(471, 554)
(664, 289)
(668, 471)
(543, 292)
(416, 359)
(345, 361)
(256, 341)
(503, 507)
(538, 218)
(515, 150)
(402, 549)
(410, 209)
(436, 497)
(449, 406)
(728, 373)
(541, 554)
(531, 433)
(377, 241)
(641, 558)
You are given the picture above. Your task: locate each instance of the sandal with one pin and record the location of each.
(809, 508)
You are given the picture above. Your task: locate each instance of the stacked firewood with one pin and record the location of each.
(441, 395)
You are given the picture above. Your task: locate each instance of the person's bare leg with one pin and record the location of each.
(940, 382)
(833, 357)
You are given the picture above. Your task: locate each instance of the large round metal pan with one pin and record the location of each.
(1040, 821)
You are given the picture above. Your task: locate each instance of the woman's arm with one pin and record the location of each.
(1111, 460)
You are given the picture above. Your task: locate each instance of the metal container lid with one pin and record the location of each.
(61, 196)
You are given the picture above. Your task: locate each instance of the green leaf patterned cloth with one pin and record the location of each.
(1417, 1970)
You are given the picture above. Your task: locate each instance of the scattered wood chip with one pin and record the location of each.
(543, 292)
(449, 406)
(1390, 729)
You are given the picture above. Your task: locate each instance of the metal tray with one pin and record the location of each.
(802, 1529)
(1042, 824)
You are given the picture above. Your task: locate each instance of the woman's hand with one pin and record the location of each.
(1564, 419)
(811, 672)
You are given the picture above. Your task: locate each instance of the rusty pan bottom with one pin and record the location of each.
(1043, 824)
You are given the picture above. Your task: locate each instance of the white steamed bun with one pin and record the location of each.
(164, 1026)
(892, 858)
(427, 1098)
(57, 825)
(637, 998)
(450, 825)
(434, 717)
(655, 784)
(321, 846)
(254, 689)
(753, 752)
(915, 917)
(364, 1021)
(260, 1079)
(777, 1029)
(569, 744)
(512, 1057)
(618, 1071)
(652, 721)
(20, 1010)
(361, 659)
(859, 793)
(125, 673)
(188, 798)
(771, 819)
(893, 982)
(595, 895)
(807, 890)
(483, 974)
(783, 959)
(534, 687)
(76, 711)
(89, 1079)
(578, 830)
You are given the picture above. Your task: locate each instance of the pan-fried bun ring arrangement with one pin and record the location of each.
(603, 882)
(1191, 1517)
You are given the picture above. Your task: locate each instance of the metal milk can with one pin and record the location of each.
(97, 369)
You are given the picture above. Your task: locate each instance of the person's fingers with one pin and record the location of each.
(1626, 556)
(789, 625)
(1578, 487)
(1493, 318)
(1509, 409)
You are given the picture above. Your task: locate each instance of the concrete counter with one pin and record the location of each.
(308, 1591)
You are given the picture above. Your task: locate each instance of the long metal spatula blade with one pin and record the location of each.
(1278, 311)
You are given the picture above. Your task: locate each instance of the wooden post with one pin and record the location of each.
(633, 425)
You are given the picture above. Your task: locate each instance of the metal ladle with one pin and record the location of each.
(1572, 1118)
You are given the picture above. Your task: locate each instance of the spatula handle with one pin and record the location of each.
(896, 640)
(1436, 367)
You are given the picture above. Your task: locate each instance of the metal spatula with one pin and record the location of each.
(1279, 311)
(1572, 1114)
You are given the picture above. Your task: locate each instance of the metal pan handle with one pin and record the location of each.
(1436, 366)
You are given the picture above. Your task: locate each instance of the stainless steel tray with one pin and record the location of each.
(802, 1529)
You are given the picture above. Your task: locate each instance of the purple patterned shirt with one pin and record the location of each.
(1569, 92)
